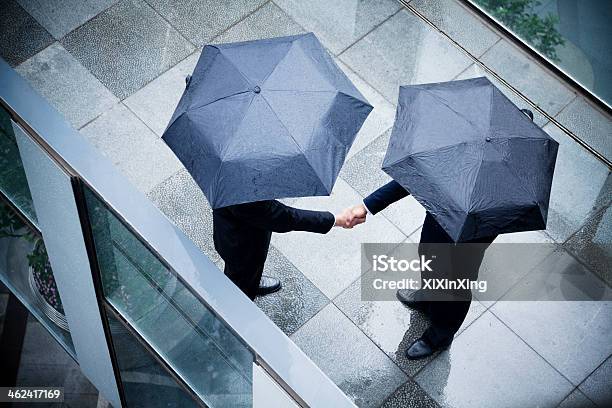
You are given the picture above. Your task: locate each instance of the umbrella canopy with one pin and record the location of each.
(477, 163)
(266, 119)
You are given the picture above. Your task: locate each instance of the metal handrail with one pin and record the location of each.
(273, 350)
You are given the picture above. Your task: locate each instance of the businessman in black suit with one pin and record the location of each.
(242, 234)
(453, 262)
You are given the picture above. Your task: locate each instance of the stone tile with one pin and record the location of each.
(20, 34)
(402, 51)
(509, 259)
(339, 24)
(60, 17)
(202, 20)
(49, 375)
(358, 367)
(379, 120)
(67, 85)
(458, 23)
(391, 325)
(576, 400)
(597, 385)
(81, 400)
(528, 77)
(416, 235)
(476, 70)
(489, 366)
(288, 200)
(592, 244)
(590, 124)
(41, 349)
(581, 187)
(155, 103)
(524, 237)
(296, 302)
(77, 384)
(127, 46)
(560, 277)
(572, 335)
(267, 22)
(363, 173)
(410, 395)
(182, 201)
(142, 157)
(332, 261)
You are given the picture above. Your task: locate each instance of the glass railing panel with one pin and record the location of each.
(13, 183)
(573, 35)
(24, 264)
(202, 351)
(145, 382)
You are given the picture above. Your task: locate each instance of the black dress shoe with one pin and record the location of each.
(268, 285)
(421, 349)
(528, 113)
(410, 298)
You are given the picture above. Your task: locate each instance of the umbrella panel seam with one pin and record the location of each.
(235, 66)
(513, 174)
(294, 141)
(224, 151)
(439, 100)
(263, 81)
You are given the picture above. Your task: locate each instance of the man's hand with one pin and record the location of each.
(351, 216)
(359, 211)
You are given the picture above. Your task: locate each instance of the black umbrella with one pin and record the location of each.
(266, 119)
(477, 163)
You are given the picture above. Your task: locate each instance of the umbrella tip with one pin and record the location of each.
(257, 89)
(488, 139)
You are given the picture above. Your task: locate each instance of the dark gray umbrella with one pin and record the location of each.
(266, 119)
(477, 163)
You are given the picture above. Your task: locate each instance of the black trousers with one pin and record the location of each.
(447, 309)
(246, 272)
(247, 281)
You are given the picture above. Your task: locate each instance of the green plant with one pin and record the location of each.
(11, 226)
(518, 16)
(43, 275)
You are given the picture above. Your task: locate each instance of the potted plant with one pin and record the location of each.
(41, 279)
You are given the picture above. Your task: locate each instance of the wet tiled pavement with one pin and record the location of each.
(116, 70)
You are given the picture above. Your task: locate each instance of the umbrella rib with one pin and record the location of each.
(224, 152)
(490, 110)
(512, 173)
(438, 99)
(475, 181)
(299, 90)
(263, 81)
(235, 66)
(432, 150)
(294, 141)
(450, 197)
(530, 193)
(217, 100)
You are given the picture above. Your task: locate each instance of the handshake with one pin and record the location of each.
(351, 216)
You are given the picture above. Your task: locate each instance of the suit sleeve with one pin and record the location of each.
(385, 196)
(278, 217)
